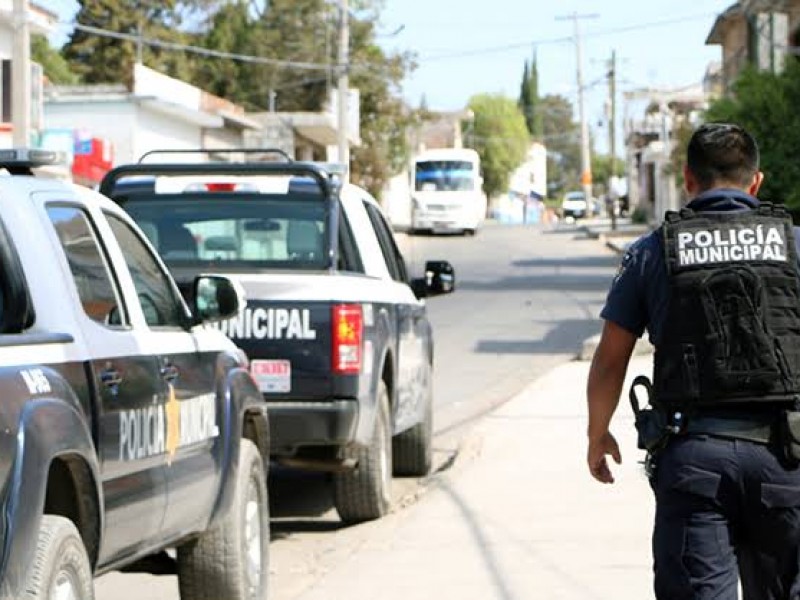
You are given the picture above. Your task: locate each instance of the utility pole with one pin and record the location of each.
(21, 76)
(139, 42)
(612, 136)
(586, 158)
(344, 85)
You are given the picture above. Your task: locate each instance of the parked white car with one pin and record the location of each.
(574, 205)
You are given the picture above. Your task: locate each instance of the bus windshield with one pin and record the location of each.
(445, 176)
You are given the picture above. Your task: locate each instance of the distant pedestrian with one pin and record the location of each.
(718, 291)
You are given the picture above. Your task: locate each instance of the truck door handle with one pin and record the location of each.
(169, 372)
(110, 378)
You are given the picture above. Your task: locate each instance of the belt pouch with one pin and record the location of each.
(789, 428)
(651, 427)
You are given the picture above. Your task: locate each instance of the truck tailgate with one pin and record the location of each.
(285, 330)
(289, 346)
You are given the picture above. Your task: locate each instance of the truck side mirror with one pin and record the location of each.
(216, 298)
(419, 286)
(440, 277)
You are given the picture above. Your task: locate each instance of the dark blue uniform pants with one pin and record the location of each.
(725, 509)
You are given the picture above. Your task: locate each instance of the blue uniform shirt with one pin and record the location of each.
(639, 295)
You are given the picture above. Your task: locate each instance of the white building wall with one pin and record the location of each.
(157, 131)
(531, 175)
(131, 128)
(6, 40)
(223, 138)
(114, 121)
(38, 20)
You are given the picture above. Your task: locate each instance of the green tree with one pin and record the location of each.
(529, 101)
(562, 138)
(231, 29)
(601, 168)
(500, 137)
(385, 118)
(103, 59)
(766, 105)
(301, 31)
(56, 69)
(305, 31)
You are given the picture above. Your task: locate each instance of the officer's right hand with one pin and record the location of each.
(596, 457)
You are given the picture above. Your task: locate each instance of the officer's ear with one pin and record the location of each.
(758, 179)
(690, 182)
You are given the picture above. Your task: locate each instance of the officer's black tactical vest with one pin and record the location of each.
(732, 334)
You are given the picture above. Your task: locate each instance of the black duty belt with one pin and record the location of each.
(753, 430)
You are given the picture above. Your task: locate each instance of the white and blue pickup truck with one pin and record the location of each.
(336, 331)
(128, 427)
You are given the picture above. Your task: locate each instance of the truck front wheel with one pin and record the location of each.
(231, 560)
(364, 493)
(61, 567)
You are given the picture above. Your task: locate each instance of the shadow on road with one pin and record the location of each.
(300, 501)
(609, 262)
(556, 282)
(564, 338)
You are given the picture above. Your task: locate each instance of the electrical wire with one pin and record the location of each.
(198, 49)
(562, 40)
(323, 67)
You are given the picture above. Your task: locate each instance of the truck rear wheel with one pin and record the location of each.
(61, 566)
(412, 450)
(364, 493)
(231, 560)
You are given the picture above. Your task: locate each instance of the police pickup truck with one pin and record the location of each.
(336, 332)
(127, 427)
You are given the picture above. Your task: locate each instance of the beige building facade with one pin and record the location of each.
(761, 33)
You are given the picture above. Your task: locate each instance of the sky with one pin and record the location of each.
(476, 47)
(470, 47)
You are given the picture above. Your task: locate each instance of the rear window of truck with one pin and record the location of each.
(235, 230)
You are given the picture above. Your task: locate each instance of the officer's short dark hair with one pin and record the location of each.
(722, 153)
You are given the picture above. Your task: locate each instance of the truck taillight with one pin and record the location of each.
(348, 335)
(221, 187)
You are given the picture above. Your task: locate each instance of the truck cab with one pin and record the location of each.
(126, 421)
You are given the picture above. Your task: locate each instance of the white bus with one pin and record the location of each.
(447, 191)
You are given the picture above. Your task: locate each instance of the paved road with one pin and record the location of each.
(525, 300)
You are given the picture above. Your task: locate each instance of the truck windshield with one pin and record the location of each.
(445, 176)
(240, 230)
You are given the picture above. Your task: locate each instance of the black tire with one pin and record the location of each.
(60, 560)
(364, 493)
(412, 450)
(228, 561)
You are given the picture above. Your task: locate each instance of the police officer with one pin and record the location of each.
(718, 291)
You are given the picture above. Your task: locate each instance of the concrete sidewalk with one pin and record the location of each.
(519, 517)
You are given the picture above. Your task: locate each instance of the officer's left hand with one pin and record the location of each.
(596, 457)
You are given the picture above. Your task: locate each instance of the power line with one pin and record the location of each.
(365, 69)
(563, 40)
(249, 58)
(362, 69)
